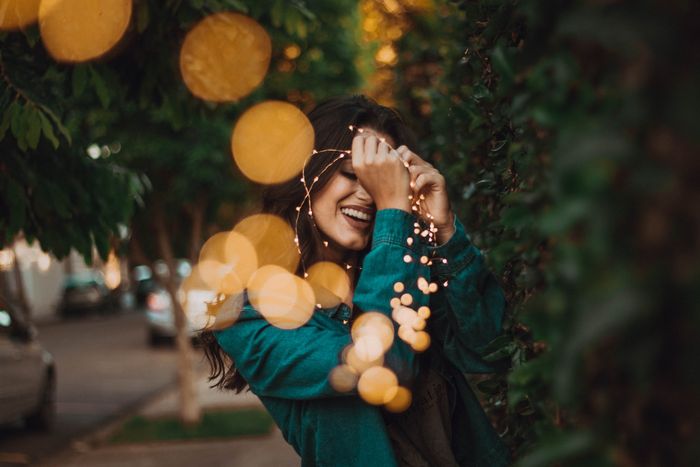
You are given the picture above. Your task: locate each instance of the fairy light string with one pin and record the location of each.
(427, 231)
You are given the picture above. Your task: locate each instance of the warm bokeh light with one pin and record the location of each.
(377, 385)
(404, 315)
(371, 326)
(224, 314)
(284, 300)
(369, 347)
(43, 262)
(272, 239)
(387, 55)
(82, 30)
(424, 312)
(16, 14)
(271, 142)
(421, 341)
(399, 399)
(292, 51)
(330, 282)
(343, 378)
(7, 259)
(224, 57)
(113, 274)
(356, 361)
(226, 262)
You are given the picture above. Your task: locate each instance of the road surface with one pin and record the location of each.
(104, 366)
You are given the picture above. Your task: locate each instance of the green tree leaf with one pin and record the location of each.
(80, 78)
(47, 129)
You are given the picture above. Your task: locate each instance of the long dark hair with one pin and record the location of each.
(331, 121)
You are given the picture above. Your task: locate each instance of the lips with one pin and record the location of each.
(359, 217)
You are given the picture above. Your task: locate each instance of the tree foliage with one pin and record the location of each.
(134, 99)
(567, 133)
(50, 190)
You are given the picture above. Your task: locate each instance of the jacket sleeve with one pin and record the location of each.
(295, 364)
(467, 314)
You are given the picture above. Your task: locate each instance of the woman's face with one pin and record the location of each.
(343, 211)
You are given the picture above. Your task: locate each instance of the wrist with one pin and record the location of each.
(402, 204)
(446, 230)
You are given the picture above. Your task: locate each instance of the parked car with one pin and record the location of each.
(28, 382)
(159, 306)
(83, 293)
(143, 283)
(161, 316)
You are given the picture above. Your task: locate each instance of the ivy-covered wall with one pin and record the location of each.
(569, 136)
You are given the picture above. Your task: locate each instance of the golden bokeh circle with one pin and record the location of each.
(421, 341)
(283, 299)
(424, 312)
(330, 282)
(271, 142)
(375, 384)
(398, 400)
(82, 30)
(343, 378)
(404, 315)
(16, 14)
(226, 262)
(224, 57)
(375, 325)
(226, 313)
(356, 361)
(272, 239)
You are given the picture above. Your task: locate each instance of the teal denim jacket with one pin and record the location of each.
(288, 369)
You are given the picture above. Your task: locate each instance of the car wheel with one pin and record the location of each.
(43, 417)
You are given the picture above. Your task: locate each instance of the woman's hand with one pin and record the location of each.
(426, 180)
(381, 172)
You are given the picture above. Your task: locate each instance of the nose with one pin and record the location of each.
(362, 194)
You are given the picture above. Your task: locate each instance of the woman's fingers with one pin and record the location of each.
(411, 157)
(428, 179)
(358, 145)
(382, 150)
(370, 148)
(417, 170)
(381, 172)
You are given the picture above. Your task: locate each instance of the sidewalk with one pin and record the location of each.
(263, 451)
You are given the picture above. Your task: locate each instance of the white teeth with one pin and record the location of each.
(355, 213)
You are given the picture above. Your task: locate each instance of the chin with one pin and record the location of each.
(355, 244)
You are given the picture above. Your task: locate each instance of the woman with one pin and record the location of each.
(361, 217)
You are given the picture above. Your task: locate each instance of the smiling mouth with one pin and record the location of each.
(354, 214)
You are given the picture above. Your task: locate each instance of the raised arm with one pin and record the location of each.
(468, 313)
(295, 364)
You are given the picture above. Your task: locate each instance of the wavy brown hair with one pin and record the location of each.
(331, 121)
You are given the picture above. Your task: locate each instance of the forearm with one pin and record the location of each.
(472, 302)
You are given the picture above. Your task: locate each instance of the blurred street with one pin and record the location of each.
(104, 367)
